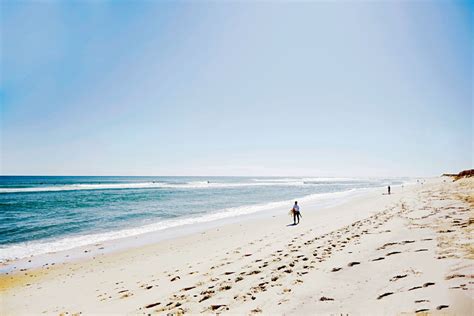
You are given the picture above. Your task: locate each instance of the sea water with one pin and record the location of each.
(40, 214)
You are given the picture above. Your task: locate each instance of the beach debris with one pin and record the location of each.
(175, 278)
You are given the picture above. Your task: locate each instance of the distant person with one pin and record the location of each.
(296, 213)
(388, 188)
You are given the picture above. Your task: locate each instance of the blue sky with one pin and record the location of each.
(236, 88)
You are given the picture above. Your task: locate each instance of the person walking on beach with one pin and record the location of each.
(388, 190)
(296, 213)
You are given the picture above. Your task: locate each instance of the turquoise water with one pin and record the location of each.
(42, 214)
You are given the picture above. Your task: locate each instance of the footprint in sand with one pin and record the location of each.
(152, 305)
(206, 295)
(225, 288)
(254, 272)
(419, 287)
(324, 298)
(421, 310)
(378, 259)
(218, 307)
(397, 277)
(384, 295)
(414, 288)
(189, 288)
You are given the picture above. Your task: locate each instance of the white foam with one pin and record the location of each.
(23, 250)
(148, 185)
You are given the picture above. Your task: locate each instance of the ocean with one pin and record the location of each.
(41, 214)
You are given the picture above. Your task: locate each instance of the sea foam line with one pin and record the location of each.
(147, 185)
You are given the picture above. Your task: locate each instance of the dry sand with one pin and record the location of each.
(408, 252)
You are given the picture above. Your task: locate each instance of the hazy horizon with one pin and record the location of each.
(331, 89)
(223, 176)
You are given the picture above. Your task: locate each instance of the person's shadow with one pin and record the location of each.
(293, 224)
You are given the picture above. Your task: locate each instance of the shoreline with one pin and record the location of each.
(318, 201)
(329, 263)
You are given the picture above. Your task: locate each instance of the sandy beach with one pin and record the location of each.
(408, 252)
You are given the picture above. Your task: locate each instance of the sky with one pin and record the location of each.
(270, 88)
